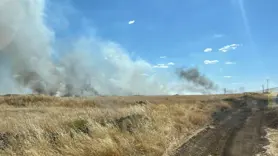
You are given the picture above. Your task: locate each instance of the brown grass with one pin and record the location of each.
(272, 148)
(106, 126)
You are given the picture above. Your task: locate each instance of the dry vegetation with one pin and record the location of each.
(272, 148)
(107, 126)
(271, 119)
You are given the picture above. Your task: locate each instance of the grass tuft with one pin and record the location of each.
(79, 125)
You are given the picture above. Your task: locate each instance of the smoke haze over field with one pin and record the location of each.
(90, 66)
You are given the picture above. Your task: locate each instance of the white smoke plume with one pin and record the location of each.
(90, 66)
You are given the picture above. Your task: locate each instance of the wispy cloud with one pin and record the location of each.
(229, 47)
(211, 61)
(131, 22)
(207, 50)
(163, 57)
(161, 66)
(218, 35)
(171, 63)
(144, 74)
(229, 62)
(245, 19)
(228, 77)
(237, 83)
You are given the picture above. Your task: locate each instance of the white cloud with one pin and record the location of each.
(229, 47)
(237, 83)
(131, 22)
(171, 63)
(161, 66)
(218, 35)
(227, 77)
(228, 62)
(211, 61)
(208, 50)
(163, 57)
(144, 74)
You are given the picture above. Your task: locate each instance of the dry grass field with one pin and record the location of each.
(36, 125)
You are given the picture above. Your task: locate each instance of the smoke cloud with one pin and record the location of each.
(84, 66)
(193, 75)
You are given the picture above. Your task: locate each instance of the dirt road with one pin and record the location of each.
(241, 133)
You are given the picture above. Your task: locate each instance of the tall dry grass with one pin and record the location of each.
(49, 126)
(272, 147)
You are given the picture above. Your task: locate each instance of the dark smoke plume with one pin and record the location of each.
(194, 76)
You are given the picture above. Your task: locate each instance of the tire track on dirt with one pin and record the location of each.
(212, 141)
(248, 140)
(240, 134)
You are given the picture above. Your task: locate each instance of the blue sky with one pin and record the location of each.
(234, 42)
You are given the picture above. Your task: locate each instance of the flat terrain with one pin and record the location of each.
(135, 125)
(240, 133)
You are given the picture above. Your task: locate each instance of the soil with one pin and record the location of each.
(239, 133)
